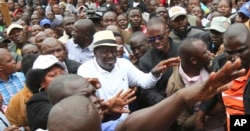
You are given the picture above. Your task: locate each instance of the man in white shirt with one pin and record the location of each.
(115, 73)
(79, 46)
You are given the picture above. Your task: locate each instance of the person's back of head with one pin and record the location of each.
(74, 113)
(64, 86)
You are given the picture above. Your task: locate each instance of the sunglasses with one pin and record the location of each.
(154, 38)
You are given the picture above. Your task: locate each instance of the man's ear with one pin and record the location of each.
(1, 67)
(193, 60)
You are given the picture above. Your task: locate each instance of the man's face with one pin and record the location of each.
(18, 36)
(202, 54)
(69, 24)
(109, 18)
(122, 21)
(152, 6)
(124, 5)
(139, 47)
(35, 29)
(162, 12)
(31, 49)
(135, 18)
(106, 56)
(21, 3)
(35, 19)
(50, 15)
(180, 23)
(55, 9)
(216, 37)
(51, 33)
(224, 8)
(197, 12)
(55, 49)
(192, 4)
(39, 39)
(237, 48)
(11, 5)
(7, 63)
(214, 5)
(158, 37)
(78, 34)
(241, 18)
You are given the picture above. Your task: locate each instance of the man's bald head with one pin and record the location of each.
(86, 25)
(237, 44)
(67, 85)
(53, 46)
(114, 28)
(39, 38)
(76, 113)
(237, 32)
(2, 53)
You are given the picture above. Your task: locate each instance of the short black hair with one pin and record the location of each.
(27, 62)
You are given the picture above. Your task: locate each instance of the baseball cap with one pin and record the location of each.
(176, 11)
(44, 22)
(46, 61)
(245, 9)
(3, 40)
(13, 26)
(220, 24)
(104, 38)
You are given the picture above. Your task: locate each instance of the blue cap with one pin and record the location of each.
(245, 9)
(44, 22)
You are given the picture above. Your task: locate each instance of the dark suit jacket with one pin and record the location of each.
(72, 66)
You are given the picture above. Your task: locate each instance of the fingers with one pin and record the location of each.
(225, 87)
(130, 100)
(95, 82)
(127, 93)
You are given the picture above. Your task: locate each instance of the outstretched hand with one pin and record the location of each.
(120, 100)
(217, 82)
(164, 65)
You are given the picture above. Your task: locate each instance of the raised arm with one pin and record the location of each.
(161, 116)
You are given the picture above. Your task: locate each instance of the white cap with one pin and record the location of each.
(104, 38)
(13, 26)
(46, 61)
(176, 11)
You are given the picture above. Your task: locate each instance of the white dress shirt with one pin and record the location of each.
(124, 75)
(75, 52)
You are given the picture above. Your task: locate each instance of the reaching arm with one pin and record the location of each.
(161, 116)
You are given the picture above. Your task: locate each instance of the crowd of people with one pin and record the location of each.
(124, 65)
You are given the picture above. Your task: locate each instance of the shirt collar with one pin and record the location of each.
(186, 79)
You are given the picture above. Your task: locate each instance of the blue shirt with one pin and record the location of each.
(9, 88)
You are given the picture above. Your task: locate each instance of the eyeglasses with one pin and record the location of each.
(154, 38)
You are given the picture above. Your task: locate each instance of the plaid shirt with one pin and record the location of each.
(9, 88)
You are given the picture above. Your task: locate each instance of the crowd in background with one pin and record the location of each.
(126, 56)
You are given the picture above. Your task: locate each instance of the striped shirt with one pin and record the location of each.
(9, 88)
(233, 98)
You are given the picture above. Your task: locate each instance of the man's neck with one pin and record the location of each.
(190, 70)
(136, 28)
(4, 77)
